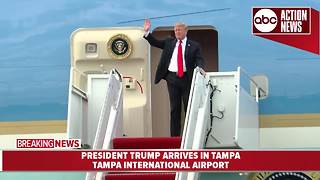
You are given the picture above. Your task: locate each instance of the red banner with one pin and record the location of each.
(158, 160)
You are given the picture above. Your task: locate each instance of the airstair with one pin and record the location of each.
(220, 114)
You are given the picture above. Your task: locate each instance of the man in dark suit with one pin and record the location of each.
(179, 57)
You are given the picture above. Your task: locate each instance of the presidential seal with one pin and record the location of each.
(119, 46)
(285, 176)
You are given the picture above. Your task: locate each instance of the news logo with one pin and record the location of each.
(281, 20)
(48, 143)
(297, 27)
(265, 20)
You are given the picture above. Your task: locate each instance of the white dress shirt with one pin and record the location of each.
(173, 66)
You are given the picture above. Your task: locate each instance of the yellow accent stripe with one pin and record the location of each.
(33, 127)
(289, 120)
(60, 126)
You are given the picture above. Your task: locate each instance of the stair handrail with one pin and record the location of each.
(188, 131)
(193, 129)
(112, 123)
(258, 88)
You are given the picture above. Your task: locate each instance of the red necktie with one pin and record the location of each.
(180, 60)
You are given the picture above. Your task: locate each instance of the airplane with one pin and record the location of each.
(289, 116)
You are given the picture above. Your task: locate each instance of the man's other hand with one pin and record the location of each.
(202, 71)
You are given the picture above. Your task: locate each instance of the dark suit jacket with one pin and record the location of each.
(193, 56)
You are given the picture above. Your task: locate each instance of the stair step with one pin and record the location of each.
(147, 143)
(141, 176)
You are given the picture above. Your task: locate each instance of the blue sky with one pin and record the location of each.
(35, 61)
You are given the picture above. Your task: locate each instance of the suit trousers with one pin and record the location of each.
(179, 90)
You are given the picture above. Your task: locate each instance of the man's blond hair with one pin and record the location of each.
(181, 24)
